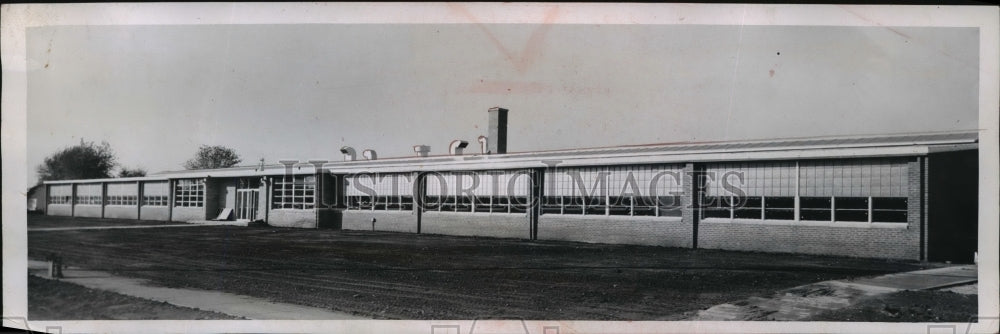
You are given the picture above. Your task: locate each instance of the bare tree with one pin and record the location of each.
(209, 157)
(84, 161)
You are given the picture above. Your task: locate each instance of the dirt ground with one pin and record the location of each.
(410, 276)
(55, 300)
(908, 306)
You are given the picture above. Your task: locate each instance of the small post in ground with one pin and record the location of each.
(55, 266)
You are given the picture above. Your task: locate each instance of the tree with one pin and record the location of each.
(131, 172)
(83, 161)
(209, 157)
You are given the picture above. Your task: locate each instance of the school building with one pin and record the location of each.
(912, 196)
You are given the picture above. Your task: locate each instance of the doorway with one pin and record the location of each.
(247, 198)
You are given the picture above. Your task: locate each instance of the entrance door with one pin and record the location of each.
(246, 204)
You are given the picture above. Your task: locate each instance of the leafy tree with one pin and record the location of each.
(209, 157)
(83, 161)
(131, 172)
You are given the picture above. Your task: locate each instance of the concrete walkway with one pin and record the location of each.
(186, 224)
(801, 302)
(42, 229)
(231, 304)
(220, 222)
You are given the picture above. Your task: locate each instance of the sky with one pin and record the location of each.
(301, 91)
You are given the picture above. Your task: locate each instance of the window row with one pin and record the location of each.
(661, 206)
(88, 200)
(293, 192)
(484, 204)
(155, 200)
(846, 209)
(397, 203)
(59, 199)
(113, 200)
(123, 200)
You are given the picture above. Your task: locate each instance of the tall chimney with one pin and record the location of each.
(496, 139)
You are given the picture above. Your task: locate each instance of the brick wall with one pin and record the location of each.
(876, 242)
(654, 231)
(87, 210)
(687, 204)
(121, 212)
(60, 210)
(292, 218)
(914, 209)
(183, 214)
(395, 221)
(499, 225)
(154, 213)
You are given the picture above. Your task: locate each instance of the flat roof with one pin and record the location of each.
(897, 145)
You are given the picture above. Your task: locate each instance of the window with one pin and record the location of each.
(122, 194)
(294, 192)
(641, 205)
(432, 203)
(552, 204)
(60, 194)
(850, 209)
(59, 199)
(716, 207)
(815, 208)
(519, 204)
(88, 194)
(573, 205)
(779, 208)
(747, 207)
(464, 203)
(379, 191)
(155, 194)
(620, 206)
(483, 203)
(889, 209)
(594, 205)
(189, 193)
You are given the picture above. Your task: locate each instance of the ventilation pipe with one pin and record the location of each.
(496, 138)
(349, 153)
(421, 150)
(457, 147)
(482, 145)
(369, 154)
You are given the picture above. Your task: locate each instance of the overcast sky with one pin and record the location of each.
(156, 93)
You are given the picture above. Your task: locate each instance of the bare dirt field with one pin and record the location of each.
(55, 300)
(410, 276)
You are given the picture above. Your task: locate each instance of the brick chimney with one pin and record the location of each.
(496, 138)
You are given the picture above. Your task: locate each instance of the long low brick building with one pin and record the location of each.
(910, 196)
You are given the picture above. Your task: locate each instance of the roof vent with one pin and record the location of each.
(483, 148)
(421, 150)
(349, 153)
(369, 154)
(457, 146)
